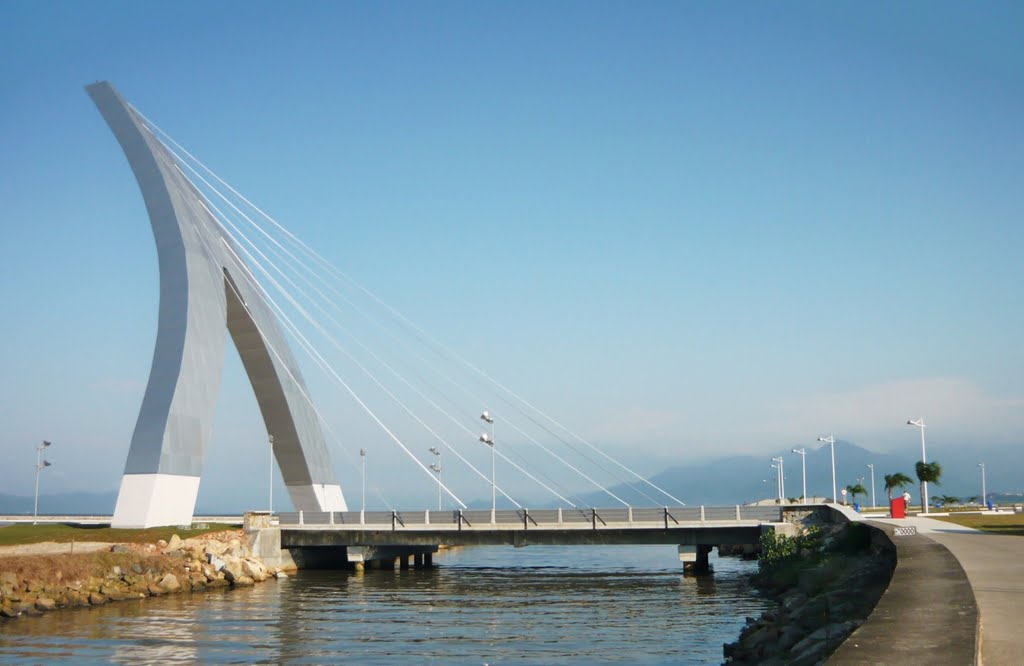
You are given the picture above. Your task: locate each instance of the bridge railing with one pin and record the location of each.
(527, 518)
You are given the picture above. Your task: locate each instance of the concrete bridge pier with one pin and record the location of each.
(389, 557)
(695, 558)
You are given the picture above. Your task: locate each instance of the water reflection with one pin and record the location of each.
(536, 605)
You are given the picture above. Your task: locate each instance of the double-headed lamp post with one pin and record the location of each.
(872, 468)
(984, 495)
(919, 423)
(782, 480)
(832, 443)
(488, 439)
(803, 467)
(778, 480)
(40, 465)
(436, 467)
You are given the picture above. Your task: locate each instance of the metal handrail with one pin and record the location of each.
(594, 518)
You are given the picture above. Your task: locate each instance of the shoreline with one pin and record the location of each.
(826, 582)
(42, 577)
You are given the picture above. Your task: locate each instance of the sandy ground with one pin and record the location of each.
(54, 548)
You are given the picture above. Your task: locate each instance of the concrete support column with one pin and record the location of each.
(403, 562)
(695, 559)
(418, 560)
(428, 559)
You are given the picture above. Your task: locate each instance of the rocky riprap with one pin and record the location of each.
(35, 584)
(826, 587)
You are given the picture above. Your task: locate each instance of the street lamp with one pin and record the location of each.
(778, 482)
(872, 468)
(803, 467)
(984, 495)
(40, 464)
(437, 468)
(782, 480)
(489, 441)
(362, 466)
(271, 438)
(919, 423)
(832, 443)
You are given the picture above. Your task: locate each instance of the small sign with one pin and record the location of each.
(905, 531)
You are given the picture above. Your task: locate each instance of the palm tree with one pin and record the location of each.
(927, 473)
(854, 490)
(897, 480)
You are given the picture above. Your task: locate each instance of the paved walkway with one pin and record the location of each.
(927, 615)
(994, 567)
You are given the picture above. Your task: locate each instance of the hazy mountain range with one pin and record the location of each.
(724, 481)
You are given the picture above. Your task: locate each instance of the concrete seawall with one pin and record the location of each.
(928, 614)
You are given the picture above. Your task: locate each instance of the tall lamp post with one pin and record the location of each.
(362, 474)
(778, 481)
(984, 495)
(488, 439)
(832, 443)
(872, 468)
(781, 480)
(437, 469)
(919, 423)
(40, 464)
(803, 467)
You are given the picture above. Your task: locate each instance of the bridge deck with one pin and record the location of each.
(683, 526)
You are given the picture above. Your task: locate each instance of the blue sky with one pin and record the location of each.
(686, 229)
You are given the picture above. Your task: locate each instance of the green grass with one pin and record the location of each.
(65, 533)
(1004, 524)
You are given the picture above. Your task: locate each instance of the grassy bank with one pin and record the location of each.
(1011, 523)
(21, 534)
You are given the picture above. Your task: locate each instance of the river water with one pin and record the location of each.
(540, 605)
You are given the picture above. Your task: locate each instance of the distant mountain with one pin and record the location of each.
(740, 479)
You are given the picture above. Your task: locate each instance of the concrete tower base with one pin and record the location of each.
(149, 500)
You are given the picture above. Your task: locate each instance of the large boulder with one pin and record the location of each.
(174, 544)
(232, 569)
(169, 583)
(215, 547)
(45, 604)
(236, 549)
(254, 570)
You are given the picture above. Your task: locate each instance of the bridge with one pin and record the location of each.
(388, 538)
(227, 267)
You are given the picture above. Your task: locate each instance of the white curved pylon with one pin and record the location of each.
(203, 295)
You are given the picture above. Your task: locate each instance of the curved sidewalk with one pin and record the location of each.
(950, 581)
(994, 564)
